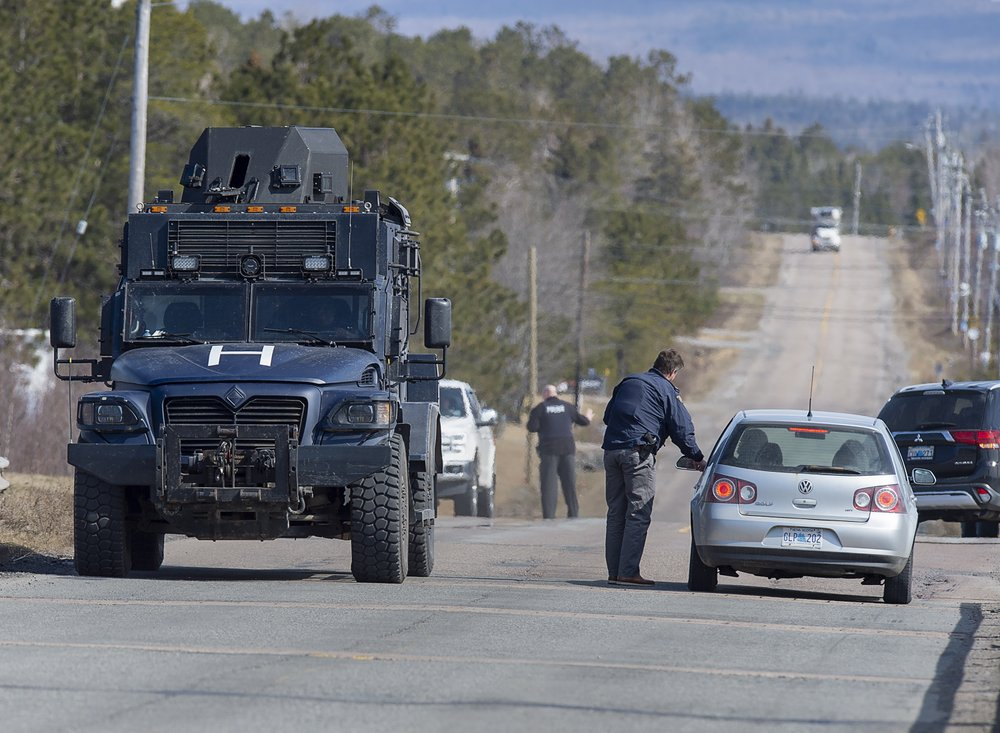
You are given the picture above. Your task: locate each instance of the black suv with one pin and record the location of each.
(952, 429)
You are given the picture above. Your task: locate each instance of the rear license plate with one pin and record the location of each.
(920, 453)
(811, 539)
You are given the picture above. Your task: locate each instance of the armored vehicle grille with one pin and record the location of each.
(289, 411)
(281, 243)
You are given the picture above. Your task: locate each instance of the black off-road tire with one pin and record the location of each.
(467, 505)
(898, 590)
(701, 577)
(422, 535)
(970, 528)
(101, 540)
(380, 514)
(147, 551)
(487, 500)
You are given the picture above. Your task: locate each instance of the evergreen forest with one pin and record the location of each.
(495, 146)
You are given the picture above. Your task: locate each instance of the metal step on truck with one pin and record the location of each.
(256, 352)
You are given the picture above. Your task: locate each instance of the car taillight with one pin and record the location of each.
(863, 499)
(982, 438)
(879, 499)
(725, 490)
(983, 494)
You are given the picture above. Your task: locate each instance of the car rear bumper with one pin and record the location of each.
(879, 546)
(957, 503)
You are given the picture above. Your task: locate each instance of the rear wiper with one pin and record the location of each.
(809, 468)
(929, 425)
(308, 334)
(185, 337)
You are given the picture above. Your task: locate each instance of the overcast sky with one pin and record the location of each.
(935, 50)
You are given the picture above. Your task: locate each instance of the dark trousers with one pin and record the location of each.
(629, 485)
(553, 467)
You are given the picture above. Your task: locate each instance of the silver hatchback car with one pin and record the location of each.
(788, 494)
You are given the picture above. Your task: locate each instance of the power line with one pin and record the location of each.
(887, 132)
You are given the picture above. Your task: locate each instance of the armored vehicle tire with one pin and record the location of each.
(897, 590)
(147, 551)
(487, 500)
(467, 505)
(701, 577)
(101, 540)
(380, 514)
(970, 528)
(421, 535)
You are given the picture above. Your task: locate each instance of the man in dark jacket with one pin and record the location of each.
(553, 420)
(644, 411)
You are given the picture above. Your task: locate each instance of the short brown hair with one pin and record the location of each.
(668, 361)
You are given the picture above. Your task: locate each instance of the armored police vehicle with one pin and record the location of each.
(256, 351)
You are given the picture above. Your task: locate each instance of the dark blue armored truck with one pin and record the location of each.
(256, 351)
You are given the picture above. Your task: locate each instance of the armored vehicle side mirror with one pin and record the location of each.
(488, 418)
(437, 324)
(923, 477)
(62, 323)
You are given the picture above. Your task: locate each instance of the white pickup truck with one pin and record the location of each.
(469, 476)
(825, 232)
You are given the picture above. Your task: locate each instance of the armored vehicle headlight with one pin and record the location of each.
(251, 266)
(185, 263)
(107, 414)
(317, 263)
(369, 414)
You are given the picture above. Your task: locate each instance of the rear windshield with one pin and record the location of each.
(934, 409)
(813, 448)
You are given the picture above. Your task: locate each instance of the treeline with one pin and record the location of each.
(520, 141)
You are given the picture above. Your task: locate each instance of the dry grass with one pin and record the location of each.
(36, 517)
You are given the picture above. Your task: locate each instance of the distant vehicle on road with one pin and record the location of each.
(825, 232)
(952, 429)
(788, 494)
(468, 451)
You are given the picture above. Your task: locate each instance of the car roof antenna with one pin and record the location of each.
(812, 376)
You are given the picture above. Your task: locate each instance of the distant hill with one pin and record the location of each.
(868, 125)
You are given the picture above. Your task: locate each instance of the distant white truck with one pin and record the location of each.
(825, 231)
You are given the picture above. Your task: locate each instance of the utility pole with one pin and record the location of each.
(955, 218)
(857, 196)
(529, 466)
(140, 84)
(964, 288)
(584, 265)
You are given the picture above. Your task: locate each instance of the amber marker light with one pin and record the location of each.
(220, 209)
(255, 209)
(352, 209)
(288, 209)
(158, 209)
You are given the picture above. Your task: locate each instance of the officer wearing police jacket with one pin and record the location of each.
(553, 420)
(645, 411)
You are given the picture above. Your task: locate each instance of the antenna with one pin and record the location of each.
(350, 216)
(812, 376)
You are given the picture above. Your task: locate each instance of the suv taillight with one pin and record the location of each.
(982, 438)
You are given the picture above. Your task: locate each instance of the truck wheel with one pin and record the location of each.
(380, 516)
(467, 505)
(970, 528)
(147, 551)
(486, 500)
(701, 577)
(101, 540)
(987, 528)
(422, 535)
(897, 590)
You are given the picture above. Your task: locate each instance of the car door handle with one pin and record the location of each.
(804, 503)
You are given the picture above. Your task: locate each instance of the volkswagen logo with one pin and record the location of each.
(805, 486)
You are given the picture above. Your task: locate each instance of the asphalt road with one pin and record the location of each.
(517, 628)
